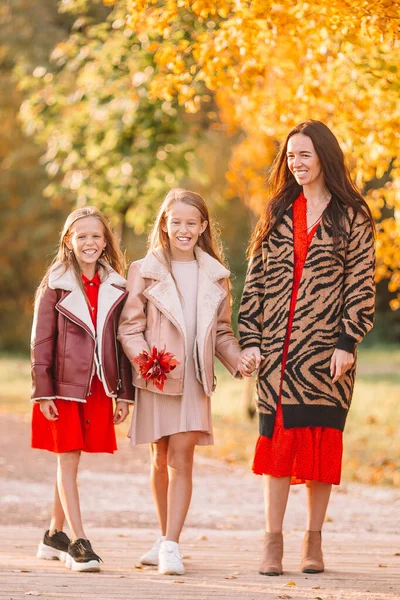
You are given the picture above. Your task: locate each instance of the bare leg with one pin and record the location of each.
(276, 492)
(58, 516)
(68, 490)
(159, 480)
(180, 467)
(318, 495)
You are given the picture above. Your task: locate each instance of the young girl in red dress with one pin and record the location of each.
(78, 368)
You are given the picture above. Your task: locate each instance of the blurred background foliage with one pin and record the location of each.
(111, 110)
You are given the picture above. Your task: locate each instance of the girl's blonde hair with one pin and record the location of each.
(208, 241)
(111, 253)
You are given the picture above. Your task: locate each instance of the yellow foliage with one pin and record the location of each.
(273, 64)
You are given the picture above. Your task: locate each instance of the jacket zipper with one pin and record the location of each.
(88, 385)
(105, 383)
(119, 382)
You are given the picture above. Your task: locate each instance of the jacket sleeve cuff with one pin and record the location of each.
(250, 344)
(124, 400)
(43, 398)
(346, 343)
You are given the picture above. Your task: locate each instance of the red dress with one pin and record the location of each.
(86, 426)
(302, 453)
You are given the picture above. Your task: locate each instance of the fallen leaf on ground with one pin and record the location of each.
(285, 597)
(202, 538)
(397, 554)
(316, 587)
(122, 535)
(32, 594)
(290, 584)
(21, 571)
(328, 519)
(230, 577)
(139, 567)
(178, 581)
(382, 566)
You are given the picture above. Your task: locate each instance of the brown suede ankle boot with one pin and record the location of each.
(311, 553)
(271, 563)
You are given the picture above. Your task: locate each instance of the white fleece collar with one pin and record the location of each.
(61, 279)
(152, 267)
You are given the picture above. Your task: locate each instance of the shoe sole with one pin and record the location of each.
(312, 571)
(171, 572)
(92, 566)
(148, 562)
(45, 552)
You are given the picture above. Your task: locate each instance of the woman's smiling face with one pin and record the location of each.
(303, 161)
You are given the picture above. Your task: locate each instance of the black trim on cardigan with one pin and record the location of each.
(346, 342)
(301, 415)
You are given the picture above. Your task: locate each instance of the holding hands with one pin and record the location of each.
(250, 359)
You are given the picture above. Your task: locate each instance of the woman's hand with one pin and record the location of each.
(121, 411)
(49, 409)
(340, 363)
(250, 359)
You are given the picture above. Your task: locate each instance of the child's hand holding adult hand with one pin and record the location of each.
(49, 409)
(250, 359)
(121, 411)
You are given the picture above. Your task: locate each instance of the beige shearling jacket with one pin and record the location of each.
(153, 316)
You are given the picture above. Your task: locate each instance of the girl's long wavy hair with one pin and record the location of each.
(283, 189)
(158, 242)
(112, 252)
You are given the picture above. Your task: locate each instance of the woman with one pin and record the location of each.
(307, 301)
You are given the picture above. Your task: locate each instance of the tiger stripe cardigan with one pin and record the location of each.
(334, 309)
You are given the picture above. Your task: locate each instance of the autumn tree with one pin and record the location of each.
(108, 142)
(273, 64)
(28, 226)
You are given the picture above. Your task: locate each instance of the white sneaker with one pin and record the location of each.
(170, 559)
(151, 557)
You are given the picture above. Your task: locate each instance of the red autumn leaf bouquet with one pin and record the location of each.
(155, 366)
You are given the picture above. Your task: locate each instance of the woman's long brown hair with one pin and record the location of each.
(283, 189)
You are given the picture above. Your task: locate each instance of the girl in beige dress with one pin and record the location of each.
(179, 299)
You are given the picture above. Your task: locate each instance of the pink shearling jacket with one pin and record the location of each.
(153, 316)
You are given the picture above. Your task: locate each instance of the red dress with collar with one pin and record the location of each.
(302, 453)
(86, 426)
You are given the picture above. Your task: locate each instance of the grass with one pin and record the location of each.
(371, 439)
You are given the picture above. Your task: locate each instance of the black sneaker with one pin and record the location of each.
(54, 547)
(81, 556)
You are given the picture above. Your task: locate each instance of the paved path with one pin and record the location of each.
(221, 542)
